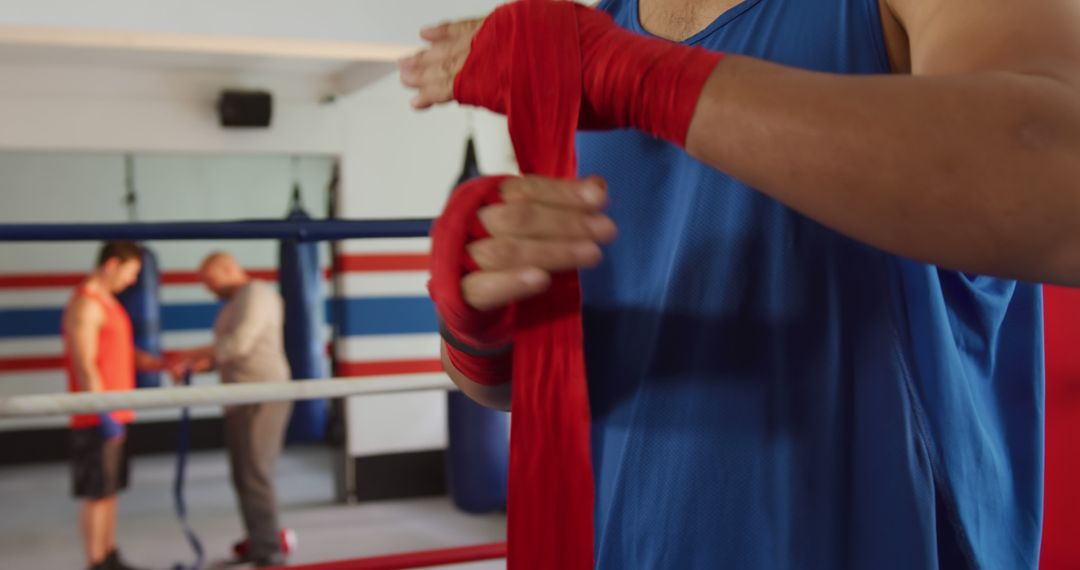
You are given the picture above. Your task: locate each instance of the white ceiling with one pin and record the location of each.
(335, 41)
(394, 22)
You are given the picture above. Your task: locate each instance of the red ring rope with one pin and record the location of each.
(418, 559)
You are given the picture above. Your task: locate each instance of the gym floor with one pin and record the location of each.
(38, 527)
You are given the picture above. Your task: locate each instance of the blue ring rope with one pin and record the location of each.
(305, 230)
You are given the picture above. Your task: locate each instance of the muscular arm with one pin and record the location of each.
(82, 324)
(972, 163)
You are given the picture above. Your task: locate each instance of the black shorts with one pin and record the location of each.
(99, 468)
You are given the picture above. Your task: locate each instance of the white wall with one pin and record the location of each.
(57, 106)
(402, 164)
(385, 21)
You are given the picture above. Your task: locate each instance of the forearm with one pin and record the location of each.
(976, 173)
(146, 362)
(89, 379)
(200, 359)
(495, 397)
(203, 364)
(200, 353)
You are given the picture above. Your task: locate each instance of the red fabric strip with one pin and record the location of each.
(389, 367)
(1061, 525)
(419, 559)
(551, 66)
(551, 488)
(550, 515)
(639, 82)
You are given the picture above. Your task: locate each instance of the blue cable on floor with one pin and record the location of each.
(183, 442)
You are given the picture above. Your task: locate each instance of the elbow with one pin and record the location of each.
(498, 403)
(1052, 153)
(496, 397)
(1066, 260)
(1052, 254)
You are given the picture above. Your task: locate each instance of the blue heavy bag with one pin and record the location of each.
(478, 457)
(144, 307)
(477, 462)
(300, 278)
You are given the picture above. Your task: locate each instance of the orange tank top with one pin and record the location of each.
(115, 358)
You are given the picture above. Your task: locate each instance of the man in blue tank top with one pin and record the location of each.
(815, 342)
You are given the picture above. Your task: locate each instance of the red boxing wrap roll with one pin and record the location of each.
(484, 331)
(552, 66)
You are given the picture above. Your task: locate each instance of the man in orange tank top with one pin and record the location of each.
(100, 356)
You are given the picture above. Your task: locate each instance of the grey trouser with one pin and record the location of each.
(253, 436)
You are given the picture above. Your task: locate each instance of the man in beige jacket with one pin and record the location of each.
(248, 347)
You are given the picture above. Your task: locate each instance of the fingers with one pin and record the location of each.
(441, 55)
(432, 71)
(448, 30)
(543, 226)
(435, 86)
(534, 221)
(437, 33)
(551, 256)
(589, 195)
(493, 289)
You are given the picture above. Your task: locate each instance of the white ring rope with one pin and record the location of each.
(222, 394)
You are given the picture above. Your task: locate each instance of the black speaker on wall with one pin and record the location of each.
(246, 109)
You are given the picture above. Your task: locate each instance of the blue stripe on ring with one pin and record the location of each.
(355, 317)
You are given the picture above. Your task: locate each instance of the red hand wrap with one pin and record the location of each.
(552, 67)
(457, 227)
(630, 80)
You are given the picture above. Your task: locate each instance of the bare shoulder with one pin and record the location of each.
(1038, 37)
(83, 311)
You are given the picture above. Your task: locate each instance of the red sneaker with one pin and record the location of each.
(288, 539)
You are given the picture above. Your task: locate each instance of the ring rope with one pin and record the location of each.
(222, 394)
(300, 230)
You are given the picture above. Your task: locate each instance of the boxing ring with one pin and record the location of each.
(299, 231)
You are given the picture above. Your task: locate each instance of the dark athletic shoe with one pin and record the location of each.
(115, 562)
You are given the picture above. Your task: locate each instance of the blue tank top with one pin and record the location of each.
(769, 394)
